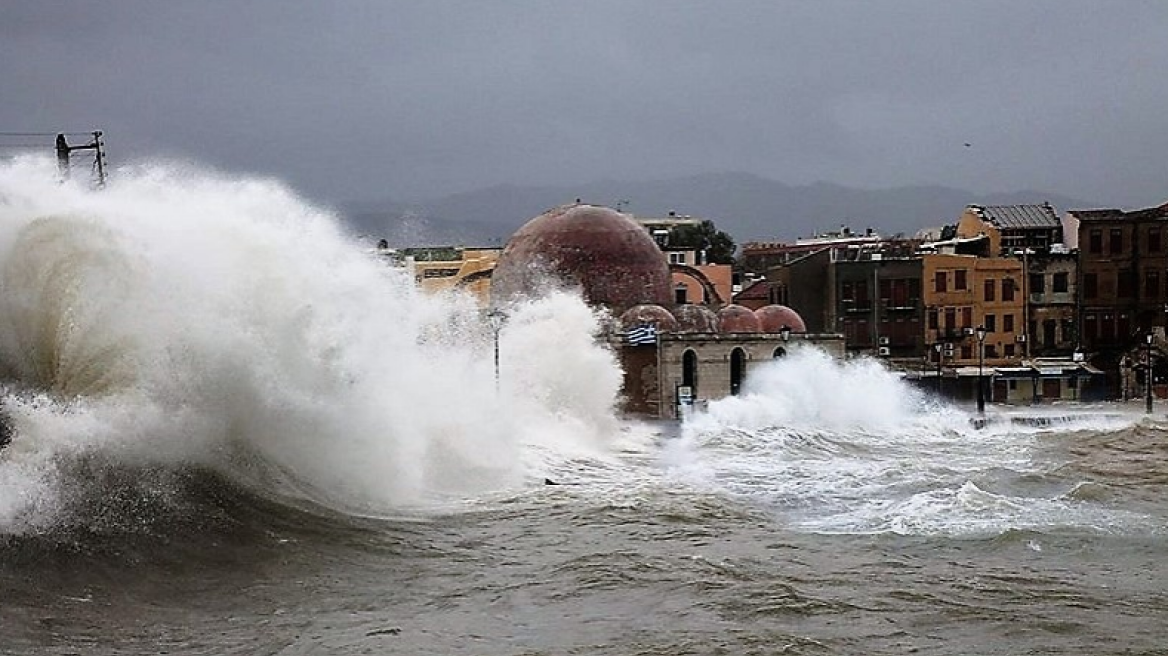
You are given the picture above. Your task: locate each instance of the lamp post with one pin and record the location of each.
(1148, 373)
(1077, 358)
(980, 331)
(938, 348)
(497, 318)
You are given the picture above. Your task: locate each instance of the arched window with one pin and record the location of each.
(737, 369)
(780, 352)
(689, 370)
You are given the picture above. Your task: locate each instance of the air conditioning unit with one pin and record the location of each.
(968, 331)
(948, 350)
(884, 351)
(884, 341)
(1020, 338)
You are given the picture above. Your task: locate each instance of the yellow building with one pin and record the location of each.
(962, 292)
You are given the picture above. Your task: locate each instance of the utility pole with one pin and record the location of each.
(96, 145)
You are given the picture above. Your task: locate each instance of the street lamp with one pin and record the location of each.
(938, 348)
(980, 331)
(497, 318)
(1148, 373)
(785, 333)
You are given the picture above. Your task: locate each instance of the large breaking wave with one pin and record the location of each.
(182, 320)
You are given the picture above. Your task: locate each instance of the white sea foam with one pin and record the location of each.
(186, 318)
(849, 447)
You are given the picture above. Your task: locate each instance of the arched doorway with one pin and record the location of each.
(737, 370)
(780, 352)
(689, 370)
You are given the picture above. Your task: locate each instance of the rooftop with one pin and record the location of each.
(1019, 216)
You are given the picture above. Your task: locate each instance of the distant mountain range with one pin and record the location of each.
(747, 206)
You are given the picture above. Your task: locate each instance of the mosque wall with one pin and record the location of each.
(715, 374)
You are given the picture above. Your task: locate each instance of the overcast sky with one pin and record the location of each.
(407, 100)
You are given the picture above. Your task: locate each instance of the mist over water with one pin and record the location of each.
(184, 319)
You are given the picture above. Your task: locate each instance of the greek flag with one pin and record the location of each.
(642, 335)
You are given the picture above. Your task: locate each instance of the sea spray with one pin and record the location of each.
(182, 318)
(848, 447)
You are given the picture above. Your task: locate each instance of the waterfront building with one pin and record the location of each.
(673, 354)
(1123, 263)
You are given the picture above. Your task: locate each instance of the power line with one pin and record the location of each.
(44, 134)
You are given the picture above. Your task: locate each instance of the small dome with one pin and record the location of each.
(654, 314)
(772, 318)
(610, 256)
(695, 319)
(737, 319)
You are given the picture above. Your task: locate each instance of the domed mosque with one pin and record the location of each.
(604, 253)
(673, 355)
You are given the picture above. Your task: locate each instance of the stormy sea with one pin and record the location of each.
(236, 430)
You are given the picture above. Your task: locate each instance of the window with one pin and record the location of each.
(1008, 323)
(1037, 283)
(1059, 285)
(966, 317)
(885, 289)
(966, 351)
(1115, 241)
(680, 294)
(991, 350)
(847, 292)
(1090, 285)
(932, 318)
(1152, 284)
(901, 293)
(1009, 350)
(677, 258)
(991, 323)
(1154, 244)
(959, 279)
(941, 282)
(950, 318)
(1096, 241)
(1008, 289)
(861, 293)
(989, 289)
(1125, 284)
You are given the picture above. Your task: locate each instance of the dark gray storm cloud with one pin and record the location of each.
(366, 100)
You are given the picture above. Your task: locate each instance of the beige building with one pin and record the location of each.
(470, 269)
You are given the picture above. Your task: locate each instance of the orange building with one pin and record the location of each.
(962, 292)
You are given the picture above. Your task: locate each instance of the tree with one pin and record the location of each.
(718, 246)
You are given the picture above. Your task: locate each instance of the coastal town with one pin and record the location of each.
(1017, 304)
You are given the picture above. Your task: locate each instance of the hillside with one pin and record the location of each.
(747, 206)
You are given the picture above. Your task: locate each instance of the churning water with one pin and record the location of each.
(237, 431)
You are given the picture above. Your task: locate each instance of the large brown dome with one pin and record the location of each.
(611, 257)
